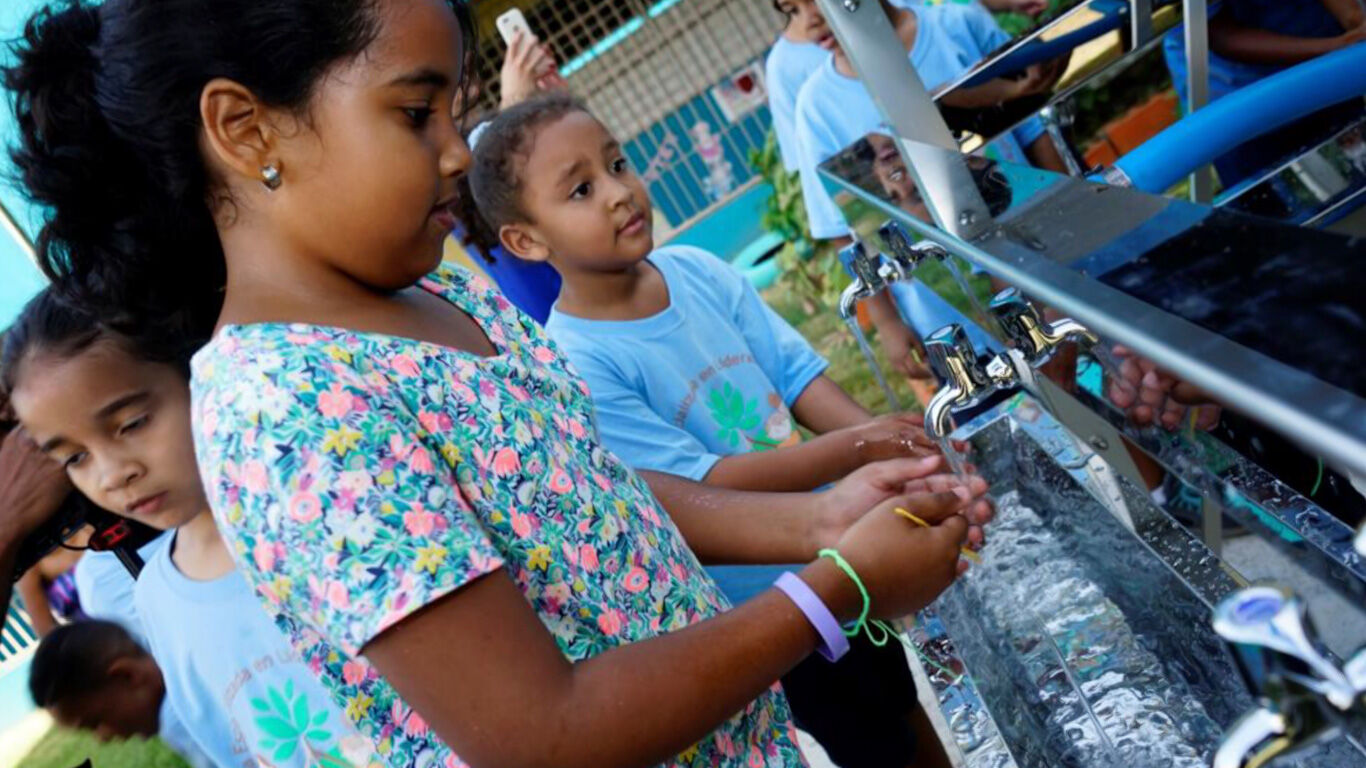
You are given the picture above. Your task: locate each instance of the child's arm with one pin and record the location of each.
(35, 602)
(825, 407)
(483, 672)
(900, 343)
(728, 527)
(32, 488)
(821, 460)
(1232, 40)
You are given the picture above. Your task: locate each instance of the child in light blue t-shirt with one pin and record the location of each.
(835, 110)
(692, 374)
(115, 411)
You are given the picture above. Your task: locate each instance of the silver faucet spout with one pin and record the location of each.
(1252, 741)
(939, 412)
(851, 296)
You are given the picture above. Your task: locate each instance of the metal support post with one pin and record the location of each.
(1196, 13)
(944, 180)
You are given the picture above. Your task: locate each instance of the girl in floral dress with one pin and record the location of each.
(406, 470)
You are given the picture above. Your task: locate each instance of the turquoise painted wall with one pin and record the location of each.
(19, 279)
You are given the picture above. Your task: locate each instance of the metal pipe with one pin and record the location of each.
(1196, 13)
(1244, 115)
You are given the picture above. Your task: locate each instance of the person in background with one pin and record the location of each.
(692, 374)
(112, 407)
(92, 675)
(452, 541)
(528, 69)
(795, 56)
(835, 110)
(49, 588)
(1251, 39)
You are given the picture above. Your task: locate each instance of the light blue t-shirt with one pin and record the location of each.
(712, 375)
(235, 680)
(106, 590)
(834, 111)
(788, 66)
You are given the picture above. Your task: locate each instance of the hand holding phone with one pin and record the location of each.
(512, 23)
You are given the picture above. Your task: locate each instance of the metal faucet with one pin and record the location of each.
(966, 377)
(871, 276)
(1025, 329)
(905, 254)
(1303, 695)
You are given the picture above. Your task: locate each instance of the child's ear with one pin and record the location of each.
(524, 242)
(134, 670)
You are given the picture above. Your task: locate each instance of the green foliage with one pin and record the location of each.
(808, 270)
(62, 748)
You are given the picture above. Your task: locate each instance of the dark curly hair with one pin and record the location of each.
(107, 102)
(55, 325)
(500, 155)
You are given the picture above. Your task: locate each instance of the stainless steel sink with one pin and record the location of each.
(1083, 638)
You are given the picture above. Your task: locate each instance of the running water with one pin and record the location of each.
(1102, 694)
(982, 316)
(957, 462)
(892, 403)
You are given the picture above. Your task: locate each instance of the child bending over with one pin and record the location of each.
(113, 408)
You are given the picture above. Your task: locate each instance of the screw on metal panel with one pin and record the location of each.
(1098, 442)
(851, 5)
(967, 218)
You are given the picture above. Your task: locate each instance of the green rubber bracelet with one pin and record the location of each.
(848, 569)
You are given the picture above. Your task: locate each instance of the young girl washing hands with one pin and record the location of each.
(404, 468)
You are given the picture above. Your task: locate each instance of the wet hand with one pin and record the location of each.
(1149, 395)
(850, 499)
(892, 436)
(902, 565)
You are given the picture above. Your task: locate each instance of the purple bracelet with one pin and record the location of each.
(833, 642)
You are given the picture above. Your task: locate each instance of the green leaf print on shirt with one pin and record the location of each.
(288, 726)
(733, 414)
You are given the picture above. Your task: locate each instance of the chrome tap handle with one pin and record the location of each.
(861, 265)
(904, 252)
(954, 360)
(1268, 618)
(1027, 331)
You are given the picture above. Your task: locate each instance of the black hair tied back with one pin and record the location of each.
(129, 232)
(107, 101)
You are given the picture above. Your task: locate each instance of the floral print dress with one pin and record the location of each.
(359, 477)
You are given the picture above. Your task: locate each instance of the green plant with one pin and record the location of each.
(809, 270)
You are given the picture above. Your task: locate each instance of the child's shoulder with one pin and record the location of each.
(696, 267)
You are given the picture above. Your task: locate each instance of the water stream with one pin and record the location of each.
(985, 319)
(892, 403)
(957, 462)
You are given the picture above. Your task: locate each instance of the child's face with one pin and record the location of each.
(808, 24)
(369, 176)
(120, 426)
(127, 704)
(589, 210)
